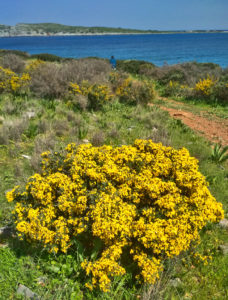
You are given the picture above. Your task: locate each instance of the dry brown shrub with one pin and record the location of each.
(77, 121)
(13, 62)
(114, 133)
(9, 107)
(47, 82)
(81, 102)
(98, 138)
(43, 126)
(60, 127)
(70, 116)
(74, 118)
(186, 73)
(91, 69)
(42, 143)
(78, 102)
(11, 130)
(52, 80)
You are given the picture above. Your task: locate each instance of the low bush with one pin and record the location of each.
(47, 82)
(220, 92)
(47, 57)
(129, 207)
(13, 62)
(12, 130)
(186, 73)
(87, 69)
(204, 87)
(33, 65)
(50, 80)
(134, 66)
(96, 94)
(12, 83)
(135, 92)
(207, 89)
(116, 79)
(22, 54)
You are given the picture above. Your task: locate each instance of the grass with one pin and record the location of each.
(60, 277)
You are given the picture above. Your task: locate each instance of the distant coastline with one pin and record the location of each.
(52, 29)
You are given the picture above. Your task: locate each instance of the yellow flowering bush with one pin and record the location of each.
(134, 91)
(204, 86)
(136, 205)
(97, 94)
(13, 83)
(33, 65)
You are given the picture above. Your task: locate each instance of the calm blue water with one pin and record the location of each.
(156, 48)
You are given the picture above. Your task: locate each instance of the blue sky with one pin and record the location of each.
(141, 14)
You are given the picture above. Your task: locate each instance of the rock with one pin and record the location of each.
(30, 114)
(6, 232)
(85, 141)
(42, 280)
(26, 292)
(1, 119)
(224, 249)
(26, 156)
(131, 128)
(176, 282)
(224, 223)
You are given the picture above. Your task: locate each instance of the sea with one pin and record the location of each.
(159, 49)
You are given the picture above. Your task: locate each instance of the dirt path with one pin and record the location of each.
(215, 129)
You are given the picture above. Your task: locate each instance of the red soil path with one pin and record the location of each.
(215, 130)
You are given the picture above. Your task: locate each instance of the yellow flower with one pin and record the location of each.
(143, 201)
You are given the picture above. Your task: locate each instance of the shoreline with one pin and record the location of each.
(108, 34)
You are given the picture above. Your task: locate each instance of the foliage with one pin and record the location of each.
(47, 81)
(22, 54)
(97, 94)
(135, 92)
(13, 62)
(134, 66)
(207, 89)
(52, 80)
(220, 92)
(219, 154)
(13, 83)
(204, 86)
(131, 205)
(186, 73)
(33, 65)
(47, 57)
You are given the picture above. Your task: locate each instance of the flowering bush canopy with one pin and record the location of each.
(97, 94)
(140, 203)
(135, 91)
(204, 86)
(13, 83)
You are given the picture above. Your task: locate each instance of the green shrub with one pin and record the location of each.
(134, 66)
(22, 54)
(96, 94)
(186, 73)
(135, 91)
(47, 57)
(220, 92)
(219, 154)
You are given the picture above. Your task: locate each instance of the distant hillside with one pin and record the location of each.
(22, 29)
(46, 29)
